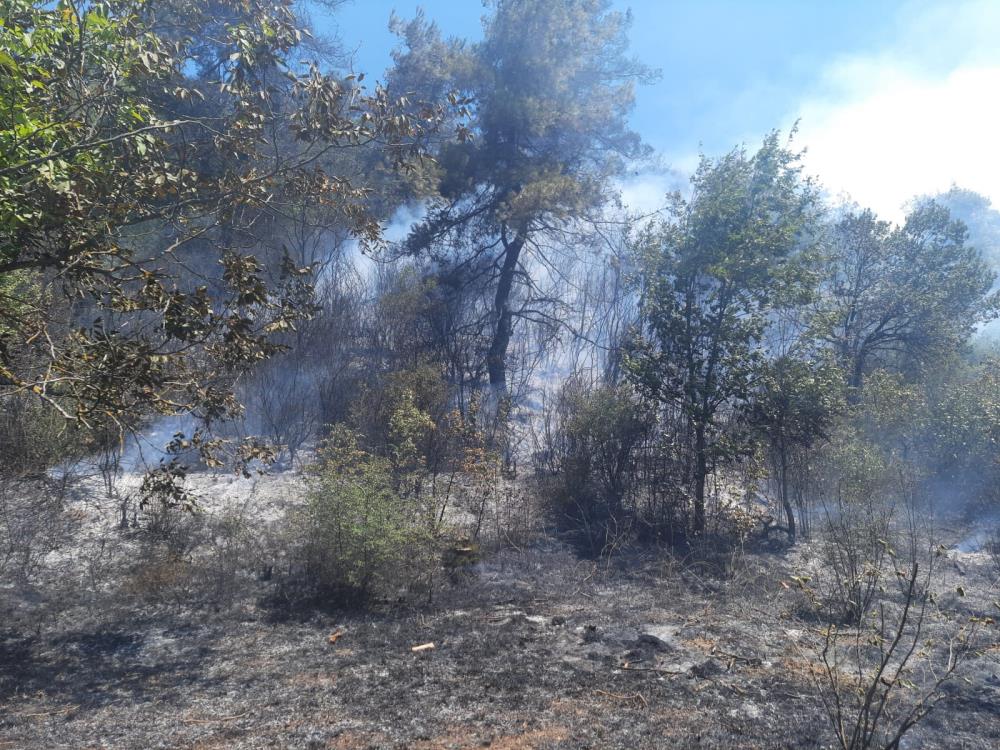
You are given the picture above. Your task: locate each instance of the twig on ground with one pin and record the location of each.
(53, 712)
(627, 668)
(221, 718)
(336, 635)
(733, 658)
(585, 580)
(637, 696)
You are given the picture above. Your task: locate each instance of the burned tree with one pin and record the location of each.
(548, 89)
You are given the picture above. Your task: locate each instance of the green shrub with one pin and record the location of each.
(360, 535)
(400, 409)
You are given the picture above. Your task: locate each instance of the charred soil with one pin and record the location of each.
(533, 648)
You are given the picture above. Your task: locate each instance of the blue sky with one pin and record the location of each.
(895, 97)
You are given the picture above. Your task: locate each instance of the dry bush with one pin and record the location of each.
(858, 490)
(33, 523)
(592, 447)
(856, 547)
(230, 558)
(992, 547)
(283, 403)
(196, 558)
(882, 664)
(614, 472)
(33, 437)
(505, 512)
(159, 576)
(883, 675)
(161, 570)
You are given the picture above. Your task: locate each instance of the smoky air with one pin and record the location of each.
(516, 374)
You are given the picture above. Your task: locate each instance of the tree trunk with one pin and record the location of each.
(856, 380)
(700, 475)
(496, 358)
(786, 501)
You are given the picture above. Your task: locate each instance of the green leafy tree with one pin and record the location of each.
(981, 218)
(960, 440)
(713, 272)
(118, 168)
(900, 295)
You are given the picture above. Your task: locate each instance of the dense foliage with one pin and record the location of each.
(715, 271)
(149, 162)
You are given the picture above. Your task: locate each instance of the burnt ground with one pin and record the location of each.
(535, 648)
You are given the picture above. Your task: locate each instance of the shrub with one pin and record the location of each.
(162, 567)
(34, 438)
(198, 557)
(360, 535)
(857, 497)
(882, 676)
(992, 547)
(402, 407)
(32, 524)
(593, 449)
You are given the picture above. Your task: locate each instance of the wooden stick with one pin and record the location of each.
(221, 718)
(627, 668)
(50, 713)
(635, 696)
(336, 635)
(735, 657)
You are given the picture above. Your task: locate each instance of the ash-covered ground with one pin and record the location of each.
(534, 647)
